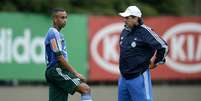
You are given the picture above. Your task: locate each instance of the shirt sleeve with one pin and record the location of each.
(156, 42)
(55, 43)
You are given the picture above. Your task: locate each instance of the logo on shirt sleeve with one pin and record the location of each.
(54, 45)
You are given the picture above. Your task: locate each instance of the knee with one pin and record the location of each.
(87, 89)
(84, 88)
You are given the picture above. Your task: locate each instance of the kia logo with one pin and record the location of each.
(185, 47)
(107, 41)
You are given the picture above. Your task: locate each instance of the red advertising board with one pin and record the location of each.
(103, 47)
(183, 35)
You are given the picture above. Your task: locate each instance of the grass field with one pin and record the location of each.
(102, 93)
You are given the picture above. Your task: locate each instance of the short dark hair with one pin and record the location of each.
(55, 10)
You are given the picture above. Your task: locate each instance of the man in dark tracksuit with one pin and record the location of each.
(138, 44)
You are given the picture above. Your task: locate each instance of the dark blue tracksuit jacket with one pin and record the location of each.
(137, 46)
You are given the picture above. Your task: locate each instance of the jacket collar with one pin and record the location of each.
(131, 29)
(127, 28)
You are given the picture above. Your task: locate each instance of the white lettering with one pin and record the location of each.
(110, 51)
(190, 47)
(24, 42)
(176, 46)
(198, 51)
(21, 49)
(2, 45)
(95, 47)
(37, 43)
(9, 43)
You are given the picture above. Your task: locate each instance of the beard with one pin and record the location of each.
(63, 25)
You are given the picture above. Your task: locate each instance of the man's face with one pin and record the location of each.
(60, 19)
(131, 21)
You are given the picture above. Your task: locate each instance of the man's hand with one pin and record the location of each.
(81, 77)
(152, 65)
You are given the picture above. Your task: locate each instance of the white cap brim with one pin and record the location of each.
(124, 14)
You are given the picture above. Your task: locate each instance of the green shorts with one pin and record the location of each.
(61, 83)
